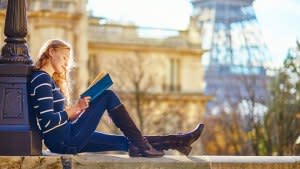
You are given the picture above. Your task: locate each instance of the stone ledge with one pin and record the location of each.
(110, 161)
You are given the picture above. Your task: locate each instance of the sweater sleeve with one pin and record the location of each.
(42, 100)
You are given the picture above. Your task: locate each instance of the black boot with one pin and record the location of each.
(161, 145)
(179, 142)
(169, 142)
(123, 121)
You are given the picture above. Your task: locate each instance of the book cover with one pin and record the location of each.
(98, 85)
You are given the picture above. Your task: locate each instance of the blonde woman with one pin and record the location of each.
(70, 128)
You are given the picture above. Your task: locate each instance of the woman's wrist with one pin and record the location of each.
(72, 111)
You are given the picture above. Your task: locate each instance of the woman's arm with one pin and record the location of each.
(42, 98)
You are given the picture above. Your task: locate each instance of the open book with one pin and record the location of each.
(98, 85)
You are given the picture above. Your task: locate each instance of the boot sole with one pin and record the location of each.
(145, 155)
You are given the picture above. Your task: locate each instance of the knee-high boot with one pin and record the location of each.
(123, 121)
(179, 142)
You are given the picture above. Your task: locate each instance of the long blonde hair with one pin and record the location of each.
(62, 80)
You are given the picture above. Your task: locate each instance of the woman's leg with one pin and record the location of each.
(83, 130)
(122, 120)
(105, 142)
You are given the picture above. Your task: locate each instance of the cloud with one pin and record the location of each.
(279, 22)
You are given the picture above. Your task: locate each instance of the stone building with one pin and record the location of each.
(159, 79)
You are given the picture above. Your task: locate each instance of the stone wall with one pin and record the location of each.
(93, 161)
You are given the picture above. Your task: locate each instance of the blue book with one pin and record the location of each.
(99, 84)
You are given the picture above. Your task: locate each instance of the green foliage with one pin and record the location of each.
(280, 123)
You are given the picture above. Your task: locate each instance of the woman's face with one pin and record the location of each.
(59, 59)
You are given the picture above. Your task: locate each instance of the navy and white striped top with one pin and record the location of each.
(47, 103)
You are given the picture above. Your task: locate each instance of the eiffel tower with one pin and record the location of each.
(237, 51)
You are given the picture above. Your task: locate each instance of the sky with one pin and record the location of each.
(278, 19)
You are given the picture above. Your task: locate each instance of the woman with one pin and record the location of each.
(70, 128)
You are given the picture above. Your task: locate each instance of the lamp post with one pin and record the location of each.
(18, 132)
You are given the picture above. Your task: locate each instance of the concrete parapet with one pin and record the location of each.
(109, 161)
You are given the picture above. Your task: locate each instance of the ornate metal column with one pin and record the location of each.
(18, 132)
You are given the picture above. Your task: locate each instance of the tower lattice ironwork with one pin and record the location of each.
(235, 63)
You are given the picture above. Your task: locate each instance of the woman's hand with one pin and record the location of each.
(76, 109)
(83, 103)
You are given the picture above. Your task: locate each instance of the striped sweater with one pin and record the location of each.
(47, 102)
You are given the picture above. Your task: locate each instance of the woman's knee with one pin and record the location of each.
(110, 95)
(108, 92)
(112, 98)
(105, 96)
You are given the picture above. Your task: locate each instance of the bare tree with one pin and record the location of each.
(241, 105)
(135, 78)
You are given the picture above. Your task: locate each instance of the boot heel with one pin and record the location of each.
(184, 150)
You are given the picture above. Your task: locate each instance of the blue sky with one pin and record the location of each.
(278, 19)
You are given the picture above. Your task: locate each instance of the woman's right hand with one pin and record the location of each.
(84, 102)
(76, 109)
(73, 112)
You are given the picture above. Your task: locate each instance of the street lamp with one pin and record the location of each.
(18, 131)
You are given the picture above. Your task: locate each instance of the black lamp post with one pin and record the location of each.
(18, 133)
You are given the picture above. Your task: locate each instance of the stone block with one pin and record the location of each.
(30, 162)
(114, 161)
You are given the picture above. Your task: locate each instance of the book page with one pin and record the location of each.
(100, 75)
